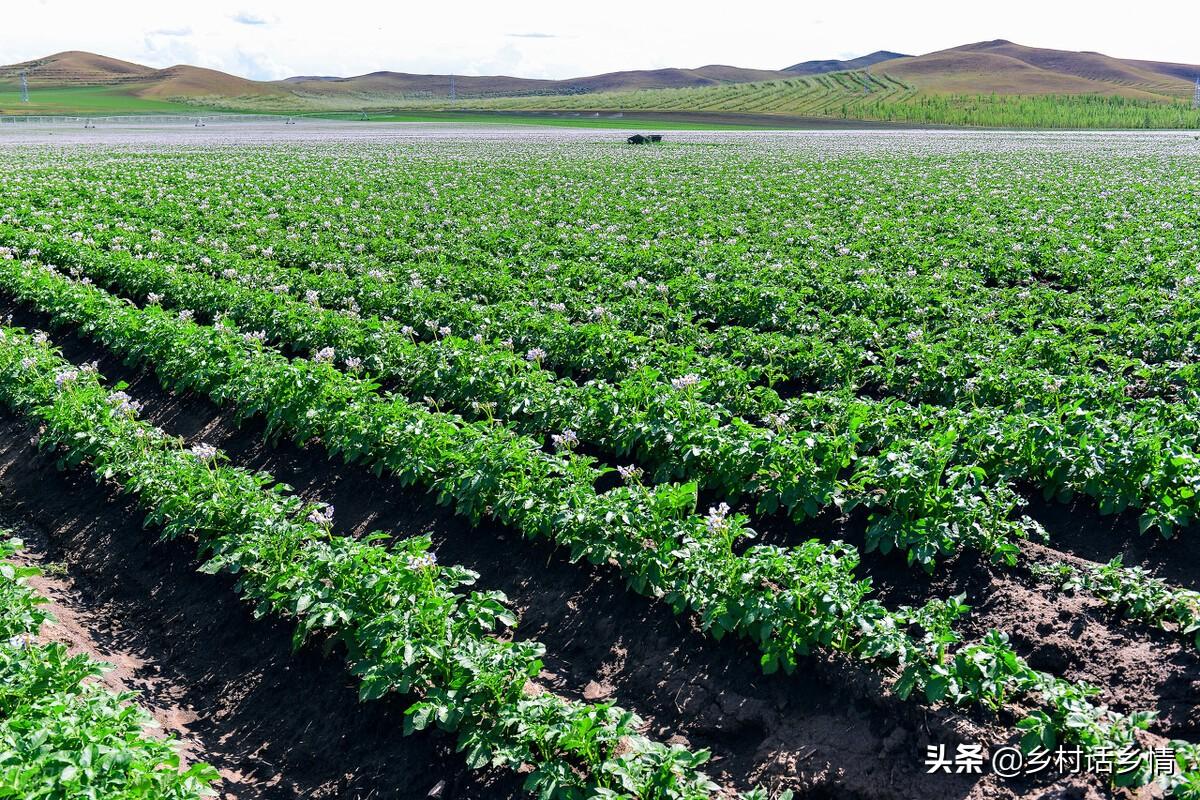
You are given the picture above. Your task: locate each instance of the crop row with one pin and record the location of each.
(840, 328)
(787, 601)
(548, 249)
(669, 430)
(407, 624)
(61, 733)
(1128, 453)
(870, 345)
(1133, 591)
(839, 306)
(1141, 457)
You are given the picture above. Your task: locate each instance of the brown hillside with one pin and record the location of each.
(74, 67)
(1006, 68)
(710, 75)
(376, 84)
(997, 66)
(187, 81)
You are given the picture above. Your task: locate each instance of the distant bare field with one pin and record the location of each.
(310, 132)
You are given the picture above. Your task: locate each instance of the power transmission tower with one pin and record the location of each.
(454, 92)
(1196, 94)
(25, 86)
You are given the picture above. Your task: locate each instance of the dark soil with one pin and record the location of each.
(283, 725)
(277, 725)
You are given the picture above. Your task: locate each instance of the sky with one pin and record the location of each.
(270, 39)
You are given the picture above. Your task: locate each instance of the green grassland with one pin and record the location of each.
(846, 97)
(867, 96)
(83, 100)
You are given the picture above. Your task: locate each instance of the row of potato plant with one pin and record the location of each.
(724, 295)
(1141, 457)
(1131, 590)
(787, 601)
(407, 623)
(62, 734)
(668, 429)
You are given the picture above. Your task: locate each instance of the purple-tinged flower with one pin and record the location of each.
(565, 440)
(630, 474)
(717, 520)
(203, 451)
(321, 516)
(124, 404)
(65, 376)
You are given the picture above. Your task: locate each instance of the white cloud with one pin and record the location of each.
(162, 50)
(246, 18)
(258, 66)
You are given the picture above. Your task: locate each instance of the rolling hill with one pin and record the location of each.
(1003, 67)
(184, 81)
(76, 68)
(980, 83)
(833, 65)
(399, 83)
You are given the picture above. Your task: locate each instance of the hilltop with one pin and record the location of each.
(833, 65)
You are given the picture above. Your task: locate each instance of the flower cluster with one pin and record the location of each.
(203, 451)
(124, 404)
(630, 474)
(565, 440)
(321, 516)
(65, 376)
(717, 520)
(423, 561)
